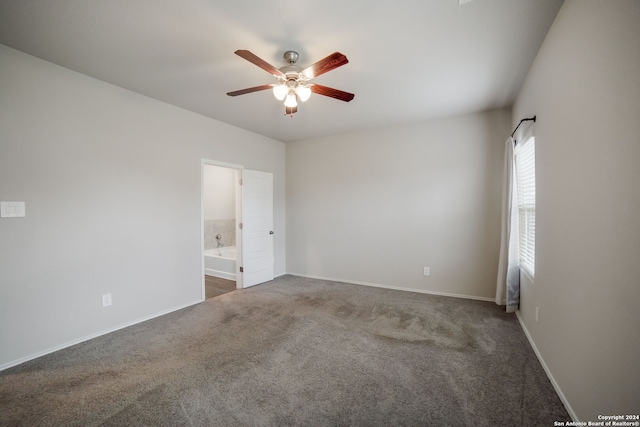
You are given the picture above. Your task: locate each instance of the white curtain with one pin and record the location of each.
(508, 287)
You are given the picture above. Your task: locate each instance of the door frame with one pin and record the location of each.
(239, 169)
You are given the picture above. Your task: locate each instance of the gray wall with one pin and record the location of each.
(112, 185)
(584, 86)
(377, 206)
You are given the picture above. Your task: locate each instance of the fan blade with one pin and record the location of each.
(327, 64)
(249, 90)
(259, 62)
(331, 92)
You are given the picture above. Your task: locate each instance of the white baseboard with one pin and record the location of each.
(555, 385)
(89, 337)
(397, 288)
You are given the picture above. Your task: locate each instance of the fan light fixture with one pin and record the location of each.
(283, 92)
(292, 84)
(280, 92)
(303, 92)
(290, 100)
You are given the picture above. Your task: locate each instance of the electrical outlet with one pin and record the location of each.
(106, 300)
(537, 314)
(427, 271)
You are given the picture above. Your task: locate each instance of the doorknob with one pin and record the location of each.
(271, 232)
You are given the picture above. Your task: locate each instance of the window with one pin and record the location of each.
(525, 158)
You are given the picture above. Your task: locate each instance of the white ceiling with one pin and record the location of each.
(409, 60)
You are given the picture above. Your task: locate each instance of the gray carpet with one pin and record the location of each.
(295, 351)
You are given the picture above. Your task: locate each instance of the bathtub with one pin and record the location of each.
(220, 262)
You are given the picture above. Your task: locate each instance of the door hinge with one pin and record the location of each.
(240, 226)
(241, 269)
(240, 181)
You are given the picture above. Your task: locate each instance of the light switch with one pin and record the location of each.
(12, 209)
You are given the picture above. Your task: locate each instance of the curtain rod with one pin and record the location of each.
(523, 120)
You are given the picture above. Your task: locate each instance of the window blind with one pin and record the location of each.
(525, 159)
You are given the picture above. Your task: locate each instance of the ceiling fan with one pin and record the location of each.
(293, 82)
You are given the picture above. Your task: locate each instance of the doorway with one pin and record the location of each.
(221, 240)
(237, 227)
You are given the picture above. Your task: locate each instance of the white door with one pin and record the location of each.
(257, 227)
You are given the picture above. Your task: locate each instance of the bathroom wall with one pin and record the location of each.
(219, 205)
